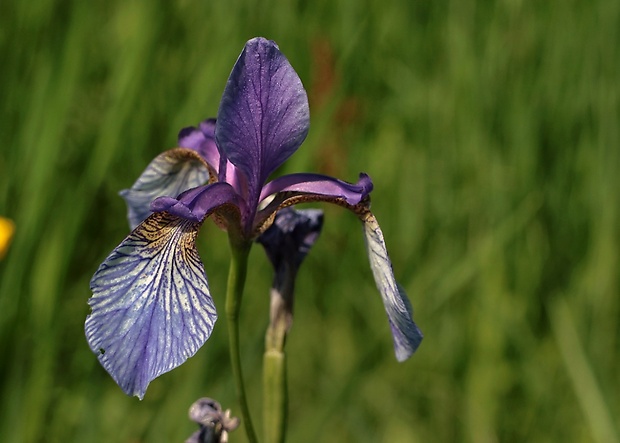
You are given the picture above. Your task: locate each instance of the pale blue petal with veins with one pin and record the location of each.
(405, 333)
(170, 173)
(151, 303)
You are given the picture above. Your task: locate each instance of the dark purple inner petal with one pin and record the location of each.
(290, 237)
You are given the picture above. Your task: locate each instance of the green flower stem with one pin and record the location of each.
(274, 368)
(234, 294)
(274, 396)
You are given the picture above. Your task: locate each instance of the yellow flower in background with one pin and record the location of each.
(7, 227)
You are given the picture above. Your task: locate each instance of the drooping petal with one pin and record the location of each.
(196, 204)
(151, 307)
(202, 140)
(307, 183)
(263, 116)
(405, 333)
(170, 173)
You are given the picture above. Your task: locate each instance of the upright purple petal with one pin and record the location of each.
(263, 116)
(202, 140)
(170, 173)
(406, 335)
(151, 307)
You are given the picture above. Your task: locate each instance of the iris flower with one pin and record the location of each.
(151, 305)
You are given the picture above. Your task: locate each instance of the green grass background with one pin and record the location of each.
(491, 131)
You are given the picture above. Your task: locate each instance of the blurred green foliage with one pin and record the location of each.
(491, 130)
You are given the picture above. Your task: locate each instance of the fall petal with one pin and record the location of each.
(405, 333)
(169, 174)
(151, 306)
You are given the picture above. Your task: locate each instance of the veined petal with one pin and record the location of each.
(263, 116)
(170, 173)
(151, 307)
(306, 183)
(406, 335)
(196, 204)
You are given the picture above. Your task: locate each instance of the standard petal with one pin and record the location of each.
(306, 183)
(170, 173)
(406, 335)
(151, 308)
(202, 140)
(263, 116)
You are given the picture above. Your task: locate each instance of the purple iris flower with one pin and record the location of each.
(151, 306)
